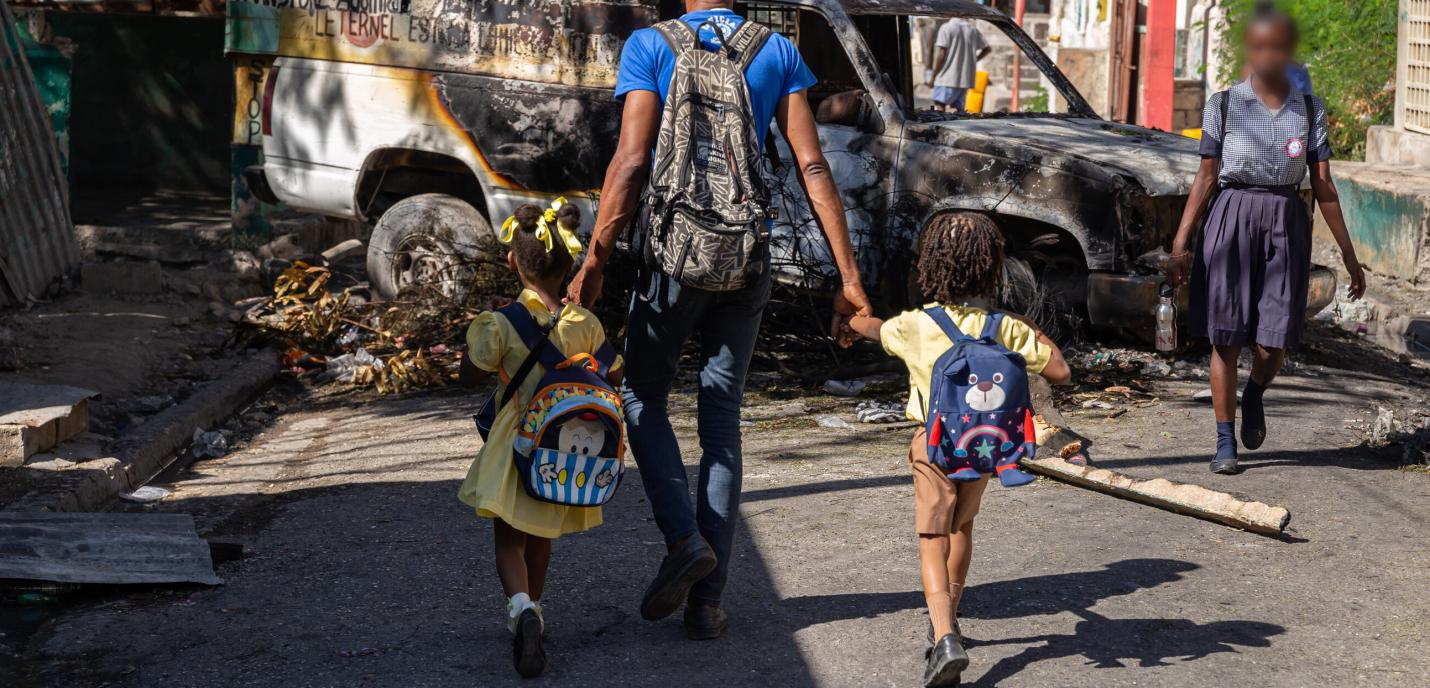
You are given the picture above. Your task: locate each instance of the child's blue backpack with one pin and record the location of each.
(570, 441)
(977, 417)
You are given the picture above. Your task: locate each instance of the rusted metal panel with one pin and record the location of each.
(37, 243)
(116, 549)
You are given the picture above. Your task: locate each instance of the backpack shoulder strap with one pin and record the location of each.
(1225, 125)
(1310, 120)
(945, 323)
(990, 326)
(748, 40)
(677, 34)
(534, 336)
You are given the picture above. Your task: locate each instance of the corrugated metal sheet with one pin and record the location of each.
(104, 548)
(37, 242)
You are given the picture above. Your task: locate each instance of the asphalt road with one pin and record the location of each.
(363, 569)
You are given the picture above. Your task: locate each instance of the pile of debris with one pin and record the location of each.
(410, 342)
(1115, 380)
(1408, 429)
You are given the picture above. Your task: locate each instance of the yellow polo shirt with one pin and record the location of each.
(916, 339)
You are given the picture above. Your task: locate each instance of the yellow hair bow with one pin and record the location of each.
(547, 229)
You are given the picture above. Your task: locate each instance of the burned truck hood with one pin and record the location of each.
(1162, 164)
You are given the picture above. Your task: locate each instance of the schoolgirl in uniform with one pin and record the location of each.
(1250, 266)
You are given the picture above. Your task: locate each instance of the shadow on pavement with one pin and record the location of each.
(1104, 642)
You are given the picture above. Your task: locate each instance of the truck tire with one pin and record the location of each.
(432, 241)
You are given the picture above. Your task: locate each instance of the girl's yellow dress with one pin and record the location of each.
(492, 486)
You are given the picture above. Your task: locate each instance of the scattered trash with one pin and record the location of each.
(35, 598)
(844, 388)
(152, 404)
(1156, 368)
(348, 367)
(1205, 396)
(208, 445)
(147, 494)
(330, 331)
(879, 411)
(829, 420)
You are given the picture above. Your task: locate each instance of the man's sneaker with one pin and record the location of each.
(704, 621)
(689, 562)
(526, 652)
(947, 660)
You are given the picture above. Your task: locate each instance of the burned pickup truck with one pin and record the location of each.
(433, 119)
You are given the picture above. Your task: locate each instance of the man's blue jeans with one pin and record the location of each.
(663, 316)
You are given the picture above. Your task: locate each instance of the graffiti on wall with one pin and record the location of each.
(554, 41)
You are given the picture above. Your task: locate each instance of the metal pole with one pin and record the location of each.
(1018, 10)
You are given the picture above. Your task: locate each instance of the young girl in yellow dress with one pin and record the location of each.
(543, 246)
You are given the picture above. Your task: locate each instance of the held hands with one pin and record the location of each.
(849, 301)
(585, 287)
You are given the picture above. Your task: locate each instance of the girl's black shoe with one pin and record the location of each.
(947, 660)
(527, 654)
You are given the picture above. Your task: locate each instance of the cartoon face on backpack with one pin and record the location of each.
(985, 393)
(584, 435)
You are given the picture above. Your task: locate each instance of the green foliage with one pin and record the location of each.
(1349, 48)
(1039, 102)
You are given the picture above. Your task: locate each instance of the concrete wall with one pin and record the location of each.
(1087, 69)
(150, 101)
(1387, 212)
(1187, 102)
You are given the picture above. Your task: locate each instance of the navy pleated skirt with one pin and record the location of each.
(1250, 273)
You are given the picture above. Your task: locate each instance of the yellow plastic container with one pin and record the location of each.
(973, 101)
(1192, 133)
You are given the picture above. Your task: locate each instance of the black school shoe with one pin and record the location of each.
(947, 660)
(704, 621)
(527, 654)
(685, 566)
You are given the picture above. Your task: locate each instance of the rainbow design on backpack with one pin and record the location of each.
(985, 449)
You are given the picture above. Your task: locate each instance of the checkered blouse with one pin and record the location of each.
(1263, 148)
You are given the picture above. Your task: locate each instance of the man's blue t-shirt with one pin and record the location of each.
(777, 71)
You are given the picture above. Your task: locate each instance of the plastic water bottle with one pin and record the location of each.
(1166, 320)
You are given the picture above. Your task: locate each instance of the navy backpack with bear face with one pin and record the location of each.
(978, 419)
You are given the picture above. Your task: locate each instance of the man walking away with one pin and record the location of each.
(702, 91)
(959, 47)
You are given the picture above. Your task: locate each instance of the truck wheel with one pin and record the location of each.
(432, 241)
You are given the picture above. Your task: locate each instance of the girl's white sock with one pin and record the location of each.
(518, 603)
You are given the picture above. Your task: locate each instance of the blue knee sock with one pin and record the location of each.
(1226, 439)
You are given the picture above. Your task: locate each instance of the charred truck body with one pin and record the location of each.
(434, 118)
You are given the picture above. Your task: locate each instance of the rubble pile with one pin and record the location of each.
(1405, 428)
(410, 342)
(1115, 380)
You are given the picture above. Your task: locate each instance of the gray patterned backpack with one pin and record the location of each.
(707, 199)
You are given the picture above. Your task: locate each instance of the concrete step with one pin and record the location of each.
(1387, 210)
(36, 418)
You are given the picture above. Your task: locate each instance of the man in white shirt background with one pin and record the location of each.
(957, 50)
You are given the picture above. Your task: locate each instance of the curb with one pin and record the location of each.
(141, 455)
